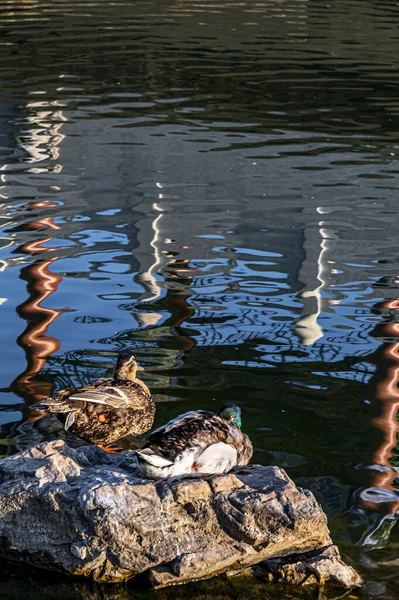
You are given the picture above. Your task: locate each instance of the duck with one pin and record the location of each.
(194, 444)
(107, 409)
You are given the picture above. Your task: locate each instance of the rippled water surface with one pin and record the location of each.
(213, 186)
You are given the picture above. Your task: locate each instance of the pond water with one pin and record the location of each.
(212, 185)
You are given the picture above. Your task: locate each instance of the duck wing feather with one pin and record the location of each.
(179, 422)
(107, 392)
(109, 396)
(195, 431)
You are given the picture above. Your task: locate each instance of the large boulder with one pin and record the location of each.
(84, 512)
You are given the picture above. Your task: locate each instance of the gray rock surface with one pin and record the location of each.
(84, 512)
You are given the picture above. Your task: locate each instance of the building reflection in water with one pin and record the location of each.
(377, 475)
(41, 283)
(318, 245)
(177, 276)
(378, 497)
(40, 137)
(148, 278)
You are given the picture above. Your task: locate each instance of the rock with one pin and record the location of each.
(81, 511)
(320, 567)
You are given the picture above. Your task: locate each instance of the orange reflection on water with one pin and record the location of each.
(41, 283)
(383, 424)
(180, 271)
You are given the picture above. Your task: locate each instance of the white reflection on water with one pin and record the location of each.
(316, 265)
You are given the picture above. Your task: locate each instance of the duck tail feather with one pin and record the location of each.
(70, 420)
(149, 456)
(51, 405)
(41, 407)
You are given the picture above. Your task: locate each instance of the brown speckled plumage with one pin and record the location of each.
(199, 428)
(194, 443)
(105, 410)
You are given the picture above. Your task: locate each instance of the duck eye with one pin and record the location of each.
(103, 418)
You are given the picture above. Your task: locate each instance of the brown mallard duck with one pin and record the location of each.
(196, 443)
(107, 409)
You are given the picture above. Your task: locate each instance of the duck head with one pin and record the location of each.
(126, 367)
(230, 413)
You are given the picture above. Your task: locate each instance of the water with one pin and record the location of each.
(213, 186)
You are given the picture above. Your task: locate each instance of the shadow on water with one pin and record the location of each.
(51, 587)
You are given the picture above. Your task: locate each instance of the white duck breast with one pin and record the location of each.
(217, 458)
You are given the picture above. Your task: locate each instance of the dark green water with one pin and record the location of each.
(213, 186)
